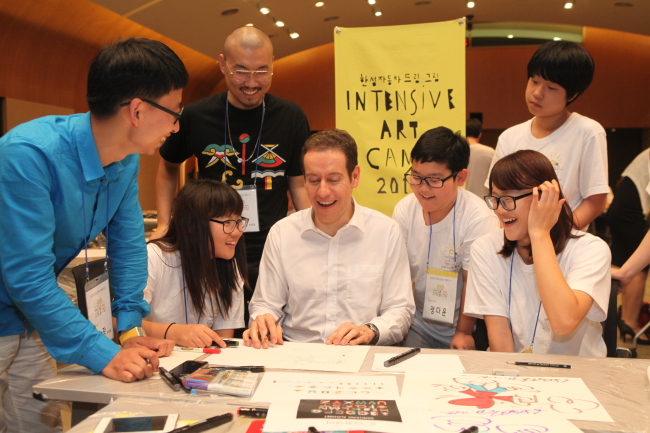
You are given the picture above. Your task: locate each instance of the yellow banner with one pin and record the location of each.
(393, 84)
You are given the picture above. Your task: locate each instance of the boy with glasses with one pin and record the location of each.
(439, 222)
(63, 180)
(244, 137)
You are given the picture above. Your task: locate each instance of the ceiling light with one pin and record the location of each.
(263, 9)
(470, 4)
(372, 2)
(293, 34)
(249, 25)
(320, 4)
(376, 11)
(279, 23)
(511, 36)
(568, 5)
(557, 39)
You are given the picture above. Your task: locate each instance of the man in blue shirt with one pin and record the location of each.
(63, 180)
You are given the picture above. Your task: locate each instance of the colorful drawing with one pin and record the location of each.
(220, 153)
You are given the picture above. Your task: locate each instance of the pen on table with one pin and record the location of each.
(169, 380)
(539, 364)
(205, 425)
(253, 412)
(197, 349)
(402, 357)
(178, 380)
(313, 430)
(251, 368)
(472, 429)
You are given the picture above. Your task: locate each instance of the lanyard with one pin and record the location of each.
(198, 319)
(539, 309)
(431, 236)
(226, 133)
(83, 206)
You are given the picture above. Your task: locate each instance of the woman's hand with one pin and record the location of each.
(194, 336)
(545, 209)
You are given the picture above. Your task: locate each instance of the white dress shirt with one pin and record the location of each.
(315, 282)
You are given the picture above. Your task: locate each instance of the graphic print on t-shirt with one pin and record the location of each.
(220, 153)
(267, 160)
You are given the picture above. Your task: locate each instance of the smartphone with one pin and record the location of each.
(188, 367)
(137, 424)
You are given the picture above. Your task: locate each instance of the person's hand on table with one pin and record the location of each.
(160, 346)
(194, 335)
(463, 341)
(349, 333)
(132, 364)
(262, 331)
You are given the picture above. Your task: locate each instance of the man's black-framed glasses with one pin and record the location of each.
(431, 181)
(177, 116)
(508, 202)
(229, 225)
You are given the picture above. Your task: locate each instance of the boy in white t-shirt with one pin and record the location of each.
(558, 73)
(439, 222)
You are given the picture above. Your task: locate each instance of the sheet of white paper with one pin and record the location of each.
(390, 416)
(296, 356)
(567, 397)
(450, 364)
(276, 386)
(488, 420)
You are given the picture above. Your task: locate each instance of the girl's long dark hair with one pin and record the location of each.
(526, 169)
(206, 277)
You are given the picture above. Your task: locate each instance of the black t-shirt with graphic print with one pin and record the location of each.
(220, 152)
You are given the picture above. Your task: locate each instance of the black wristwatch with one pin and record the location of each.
(374, 329)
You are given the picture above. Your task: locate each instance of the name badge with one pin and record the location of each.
(98, 304)
(440, 296)
(248, 194)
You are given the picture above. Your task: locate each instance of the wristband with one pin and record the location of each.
(133, 332)
(165, 334)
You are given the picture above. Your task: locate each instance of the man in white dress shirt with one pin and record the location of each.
(336, 273)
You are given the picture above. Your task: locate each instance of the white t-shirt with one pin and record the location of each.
(638, 173)
(165, 293)
(577, 150)
(473, 220)
(585, 263)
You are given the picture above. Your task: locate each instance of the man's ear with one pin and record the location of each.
(461, 177)
(356, 174)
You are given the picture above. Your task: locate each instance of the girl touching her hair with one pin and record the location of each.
(197, 271)
(540, 285)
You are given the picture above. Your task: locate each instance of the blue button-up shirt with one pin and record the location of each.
(54, 193)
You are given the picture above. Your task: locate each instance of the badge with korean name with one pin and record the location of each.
(248, 194)
(98, 304)
(440, 296)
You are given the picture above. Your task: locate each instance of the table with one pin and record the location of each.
(620, 384)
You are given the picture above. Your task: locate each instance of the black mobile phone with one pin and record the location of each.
(188, 367)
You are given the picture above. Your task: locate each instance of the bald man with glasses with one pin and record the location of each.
(244, 137)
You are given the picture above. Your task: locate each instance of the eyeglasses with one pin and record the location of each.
(241, 75)
(507, 202)
(177, 116)
(432, 182)
(229, 225)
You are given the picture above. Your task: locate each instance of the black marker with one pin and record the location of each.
(178, 380)
(402, 357)
(209, 423)
(251, 368)
(253, 412)
(168, 379)
(539, 364)
(472, 429)
(313, 430)
(229, 343)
